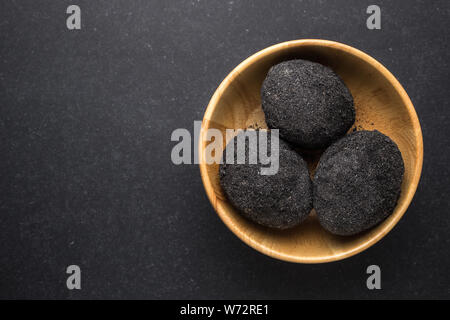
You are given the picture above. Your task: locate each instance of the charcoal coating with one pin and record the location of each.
(307, 102)
(357, 182)
(281, 201)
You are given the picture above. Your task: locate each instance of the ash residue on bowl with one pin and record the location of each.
(282, 200)
(357, 182)
(307, 102)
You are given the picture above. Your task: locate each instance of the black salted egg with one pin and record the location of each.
(282, 200)
(357, 182)
(307, 102)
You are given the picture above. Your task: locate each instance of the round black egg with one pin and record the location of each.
(281, 200)
(308, 102)
(357, 182)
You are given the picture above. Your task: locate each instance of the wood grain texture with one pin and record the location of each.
(381, 103)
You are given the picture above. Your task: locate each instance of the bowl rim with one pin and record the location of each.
(245, 237)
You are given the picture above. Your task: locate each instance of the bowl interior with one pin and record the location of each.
(380, 102)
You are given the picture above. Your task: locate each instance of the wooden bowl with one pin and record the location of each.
(381, 103)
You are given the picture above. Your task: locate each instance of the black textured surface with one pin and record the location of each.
(307, 102)
(281, 200)
(357, 182)
(85, 125)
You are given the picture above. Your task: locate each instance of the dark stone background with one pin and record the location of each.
(86, 176)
